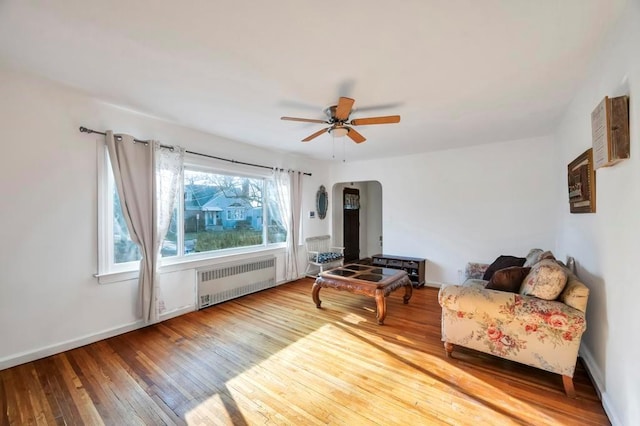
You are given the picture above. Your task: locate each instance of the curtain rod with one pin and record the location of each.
(87, 130)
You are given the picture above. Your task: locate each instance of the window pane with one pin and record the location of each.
(124, 250)
(170, 244)
(276, 231)
(221, 211)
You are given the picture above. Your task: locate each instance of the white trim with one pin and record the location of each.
(596, 377)
(21, 358)
(104, 209)
(116, 277)
(435, 284)
(199, 261)
(191, 262)
(592, 369)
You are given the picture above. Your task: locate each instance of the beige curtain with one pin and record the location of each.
(133, 170)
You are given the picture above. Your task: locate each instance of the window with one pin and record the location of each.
(218, 212)
(236, 213)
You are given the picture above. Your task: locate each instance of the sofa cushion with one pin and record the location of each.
(533, 257)
(475, 282)
(546, 280)
(327, 257)
(508, 279)
(502, 262)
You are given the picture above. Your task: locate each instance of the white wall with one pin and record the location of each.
(462, 205)
(373, 205)
(49, 299)
(606, 244)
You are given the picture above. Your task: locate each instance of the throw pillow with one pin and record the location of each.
(508, 279)
(533, 257)
(575, 294)
(502, 262)
(546, 280)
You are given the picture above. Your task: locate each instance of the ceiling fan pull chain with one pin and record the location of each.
(344, 149)
(333, 147)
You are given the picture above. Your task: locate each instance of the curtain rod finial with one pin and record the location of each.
(84, 129)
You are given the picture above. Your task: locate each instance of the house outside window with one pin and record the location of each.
(226, 224)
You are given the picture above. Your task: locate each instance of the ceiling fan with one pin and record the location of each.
(339, 124)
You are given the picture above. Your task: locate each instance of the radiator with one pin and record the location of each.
(227, 281)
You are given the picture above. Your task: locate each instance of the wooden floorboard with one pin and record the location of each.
(273, 358)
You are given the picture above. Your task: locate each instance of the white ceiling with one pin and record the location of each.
(459, 72)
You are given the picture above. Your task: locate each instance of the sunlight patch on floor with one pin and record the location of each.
(311, 368)
(212, 408)
(353, 319)
(448, 381)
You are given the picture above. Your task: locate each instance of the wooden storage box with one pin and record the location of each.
(610, 131)
(415, 266)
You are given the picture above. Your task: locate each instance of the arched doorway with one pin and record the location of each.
(359, 227)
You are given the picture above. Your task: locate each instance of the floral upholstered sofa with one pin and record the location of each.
(520, 326)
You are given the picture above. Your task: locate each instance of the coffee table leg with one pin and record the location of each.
(381, 304)
(408, 291)
(315, 291)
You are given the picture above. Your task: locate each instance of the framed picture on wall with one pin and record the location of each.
(582, 184)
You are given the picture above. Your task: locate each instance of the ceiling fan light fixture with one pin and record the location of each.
(339, 132)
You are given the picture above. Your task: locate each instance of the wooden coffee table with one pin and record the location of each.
(367, 280)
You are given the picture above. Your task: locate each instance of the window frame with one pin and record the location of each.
(106, 184)
(113, 272)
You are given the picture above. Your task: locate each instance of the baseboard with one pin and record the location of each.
(434, 284)
(177, 312)
(285, 281)
(24, 357)
(597, 379)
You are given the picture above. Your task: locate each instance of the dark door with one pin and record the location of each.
(351, 224)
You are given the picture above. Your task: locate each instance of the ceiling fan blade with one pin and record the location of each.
(376, 120)
(306, 120)
(344, 108)
(315, 135)
(390, 105)
(355, 136)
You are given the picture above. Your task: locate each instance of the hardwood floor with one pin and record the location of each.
(273, 358)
